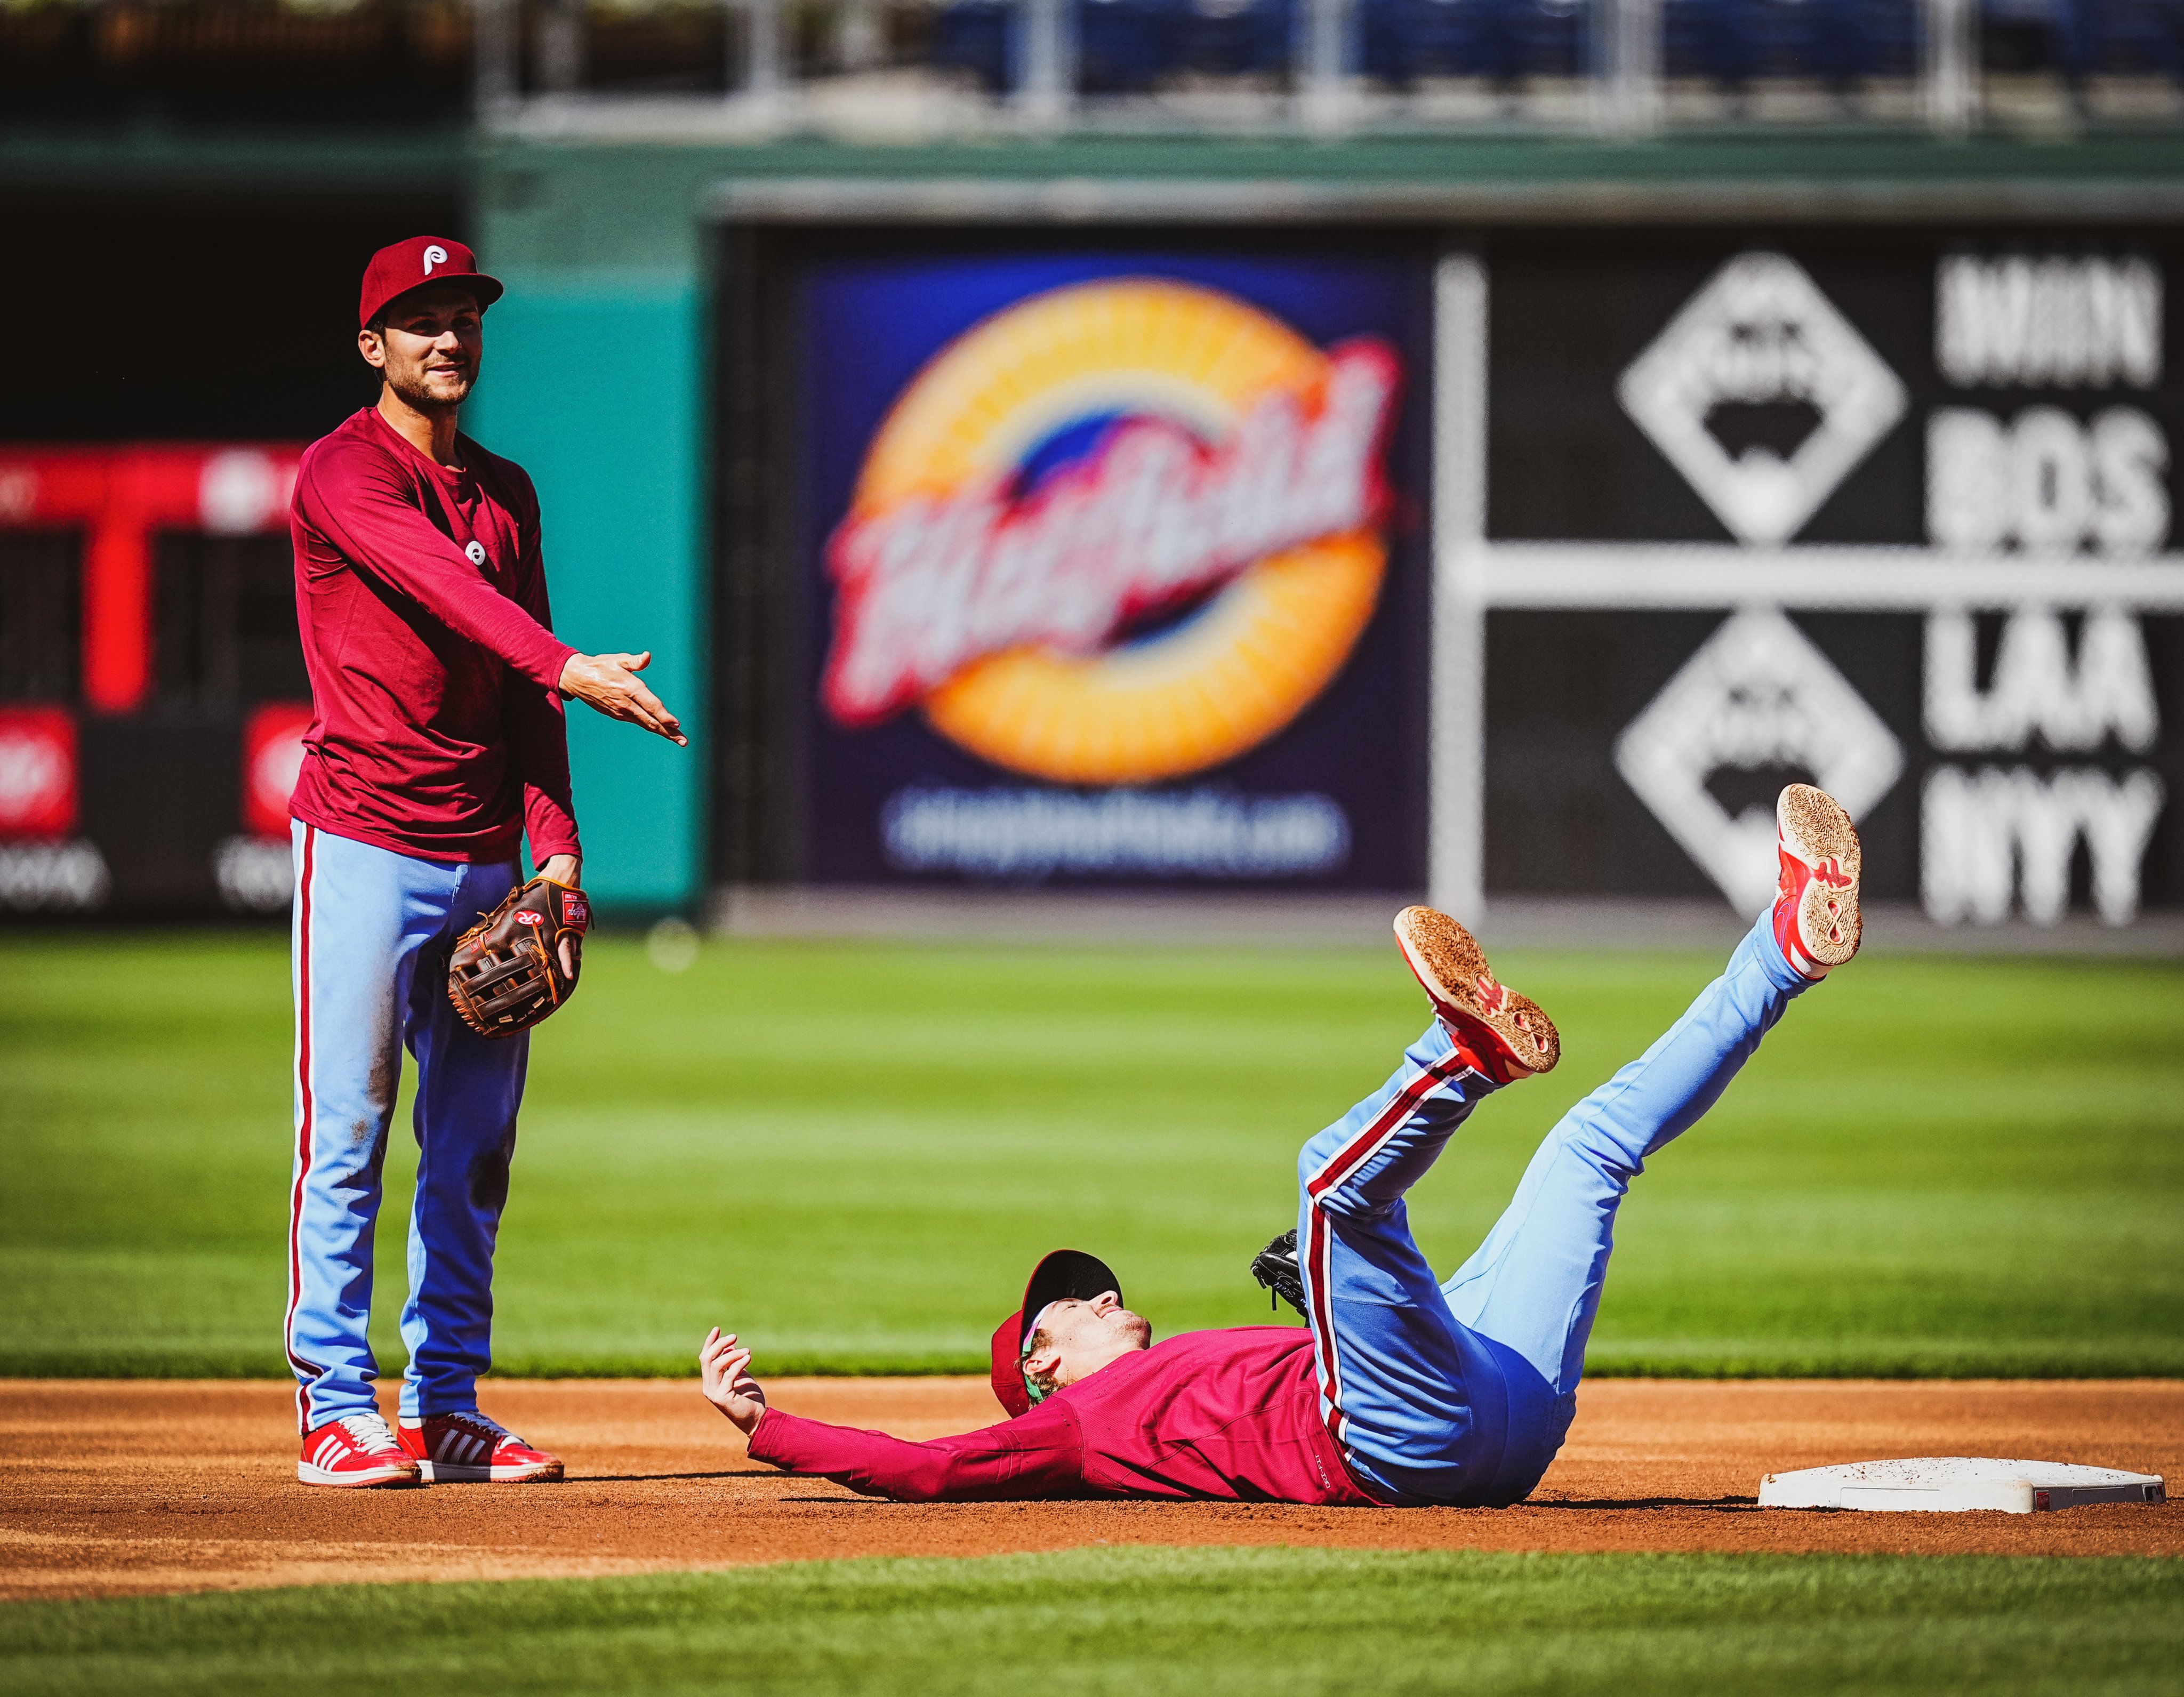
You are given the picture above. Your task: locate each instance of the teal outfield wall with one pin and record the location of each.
(593, 383)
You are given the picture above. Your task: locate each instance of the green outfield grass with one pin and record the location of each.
(1204, 1622)
(852, 1154)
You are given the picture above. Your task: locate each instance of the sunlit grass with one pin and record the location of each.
(852, 1154)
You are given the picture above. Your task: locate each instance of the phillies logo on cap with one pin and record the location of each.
(412, 264)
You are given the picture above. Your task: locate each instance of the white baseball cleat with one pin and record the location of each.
(357, 1450)
(1817, 921)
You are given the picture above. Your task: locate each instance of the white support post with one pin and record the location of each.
(1455, 807)
(1950, 65)
(561, 27)
(496, 50)
(1046, 77)
(1628, 73)
(1323, 76)
(860, 36)
(762, 77)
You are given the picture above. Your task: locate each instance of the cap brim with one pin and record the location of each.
(1060, 1276)
(486, 290)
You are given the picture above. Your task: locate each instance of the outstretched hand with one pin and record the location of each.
(610, 683)
(729, 1385)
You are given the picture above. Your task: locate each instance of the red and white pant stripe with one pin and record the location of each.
(1346, 1160)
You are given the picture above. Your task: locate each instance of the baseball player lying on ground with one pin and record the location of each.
(1405, 1389)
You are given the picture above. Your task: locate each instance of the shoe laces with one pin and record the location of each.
(487, 1426)
(369, 1431)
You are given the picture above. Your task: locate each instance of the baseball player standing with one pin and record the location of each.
(438, 740)
(1403, 1388)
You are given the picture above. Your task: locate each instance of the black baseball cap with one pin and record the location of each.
(1060, 1276)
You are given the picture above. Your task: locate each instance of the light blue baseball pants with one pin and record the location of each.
(369, 973)
(1462, 1391)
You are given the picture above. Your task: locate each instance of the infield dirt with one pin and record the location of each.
(113, 1487)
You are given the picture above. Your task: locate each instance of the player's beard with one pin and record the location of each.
(410, 387)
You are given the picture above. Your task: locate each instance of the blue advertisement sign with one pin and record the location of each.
(1112, 567)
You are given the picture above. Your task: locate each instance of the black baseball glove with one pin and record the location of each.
(520, 962)
(1275, 1267)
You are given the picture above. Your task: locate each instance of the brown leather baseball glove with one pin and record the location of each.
(520, 962)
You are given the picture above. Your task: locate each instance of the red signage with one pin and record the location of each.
(37, 772)
(121, 496)
(272, 754)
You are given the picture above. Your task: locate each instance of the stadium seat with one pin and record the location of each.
(1124, 47)
(2136, 37)
(1548, 37)
(1836, 42)
(1406, 40)
(1235, 37)
(978, 36)
(1129, 46)
(1890, 35)
(1403, 40)
(2035, 36)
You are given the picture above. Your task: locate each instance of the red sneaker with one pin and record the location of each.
(1817, 921)
(355, 1450)
(1500, 1034)
(471, 1450)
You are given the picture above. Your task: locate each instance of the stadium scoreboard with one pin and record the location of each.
(1505, 563)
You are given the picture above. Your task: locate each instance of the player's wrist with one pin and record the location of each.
(575, 671)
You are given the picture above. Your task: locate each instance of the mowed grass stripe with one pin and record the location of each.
(1204, 1622)
(852, 1153)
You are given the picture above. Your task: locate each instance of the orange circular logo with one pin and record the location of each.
(1121, 531)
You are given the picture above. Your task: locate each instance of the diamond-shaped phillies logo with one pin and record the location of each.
(1756, 694)
(1762, 333)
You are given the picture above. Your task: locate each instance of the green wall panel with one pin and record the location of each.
(593, 383)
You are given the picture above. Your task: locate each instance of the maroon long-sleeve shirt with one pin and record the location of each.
(1232, 1414)
(438, 729)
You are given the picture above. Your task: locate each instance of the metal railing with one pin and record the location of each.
(929, 67)
(1626, 67)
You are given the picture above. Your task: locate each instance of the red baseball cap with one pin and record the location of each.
(394, 271)
(1065, 1273)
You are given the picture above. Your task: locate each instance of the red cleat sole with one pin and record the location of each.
(1452, 967)
(1815, 830)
